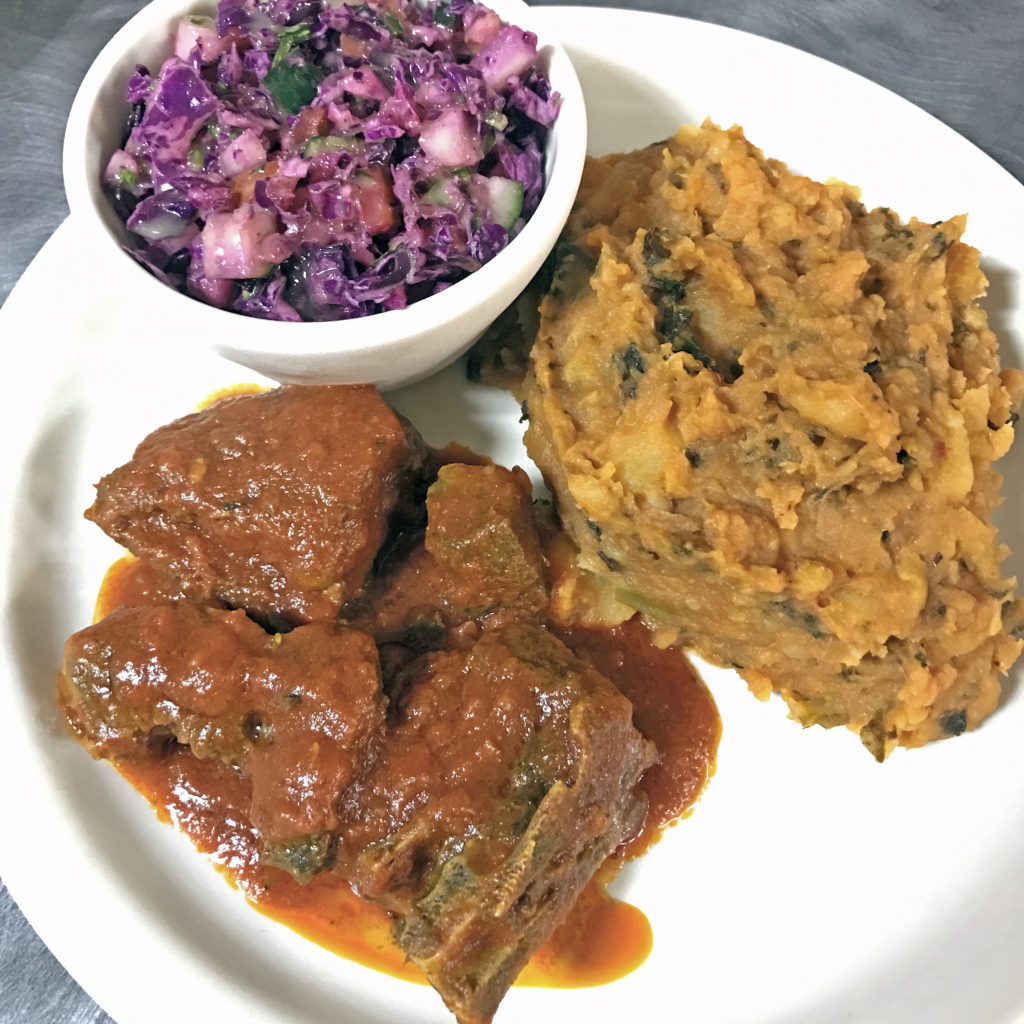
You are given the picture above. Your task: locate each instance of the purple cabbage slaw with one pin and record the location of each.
(294, 160)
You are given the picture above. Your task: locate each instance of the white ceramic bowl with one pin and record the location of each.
(390, 349)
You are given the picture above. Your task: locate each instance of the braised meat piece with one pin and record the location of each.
(297, 711)
(276, 503)
(509, 776)
(482, 530)
(480, 555)
(479, 559)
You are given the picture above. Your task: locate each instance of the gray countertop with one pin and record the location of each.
(961, 60)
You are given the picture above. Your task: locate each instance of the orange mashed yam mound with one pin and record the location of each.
(769, 417)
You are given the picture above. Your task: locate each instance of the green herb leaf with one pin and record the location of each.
(443, 16)
(287, 39)
(393, 24)
(292, 85)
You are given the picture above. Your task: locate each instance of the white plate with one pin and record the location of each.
(811, 884)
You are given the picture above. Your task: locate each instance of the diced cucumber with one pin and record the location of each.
(444, 191)
(505, 201)
(331, 143)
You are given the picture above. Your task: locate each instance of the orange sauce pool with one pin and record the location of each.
(602, 940)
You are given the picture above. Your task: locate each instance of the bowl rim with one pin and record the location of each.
(264, 338)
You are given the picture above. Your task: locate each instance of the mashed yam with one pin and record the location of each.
(769, 417)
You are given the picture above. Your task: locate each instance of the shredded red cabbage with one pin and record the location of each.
(295, 161)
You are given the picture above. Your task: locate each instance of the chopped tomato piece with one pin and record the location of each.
(310, 122)
(376, 200)
(353, 47)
